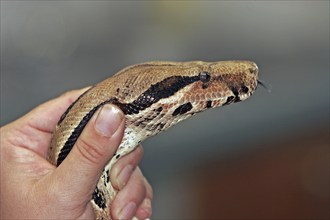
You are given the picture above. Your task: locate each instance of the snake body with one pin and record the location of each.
(153, 97)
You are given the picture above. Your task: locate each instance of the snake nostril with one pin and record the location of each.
(254, 69)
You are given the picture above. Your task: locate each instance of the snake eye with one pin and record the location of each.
(204, 77)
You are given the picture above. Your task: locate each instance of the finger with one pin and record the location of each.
(150, 192)
(122, 170)
(79, 172)
(33, 131)
(45, 116)
(130, 197)
(145, 209)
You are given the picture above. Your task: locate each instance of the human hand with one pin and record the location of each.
(32, 188)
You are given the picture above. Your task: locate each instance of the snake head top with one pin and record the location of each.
(214, 84)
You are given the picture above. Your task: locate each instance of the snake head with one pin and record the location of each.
(222, 83)
(240, 78)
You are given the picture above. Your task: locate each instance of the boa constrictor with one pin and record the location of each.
(153, 96)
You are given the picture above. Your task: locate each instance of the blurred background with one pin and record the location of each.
(265, 158)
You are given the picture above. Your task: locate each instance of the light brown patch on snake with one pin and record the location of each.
(153, 96)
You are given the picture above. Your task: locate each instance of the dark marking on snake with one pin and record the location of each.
(235, 92)
(160, 125)
(108, 176)
(153, 127)
(76, 133)
(117, 156)
(128, 109)
(99, 198)
(182, 109)
(74, 136)
(150, 117)
(205, 85)
(70, 107)
(209, 104)
(104, 180)
(155, 92)
(163, 89)
(244, 89)
(160, 90)
(159, 109)
(229, 100)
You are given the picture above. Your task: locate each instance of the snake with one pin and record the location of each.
(153, 96)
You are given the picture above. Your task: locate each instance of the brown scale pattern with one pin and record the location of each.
(225, 80)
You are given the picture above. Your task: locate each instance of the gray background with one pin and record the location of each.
(49, 47)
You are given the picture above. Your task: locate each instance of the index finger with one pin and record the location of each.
(45, 116)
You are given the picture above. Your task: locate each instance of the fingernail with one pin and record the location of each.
(128, 211)
(124, 175)
(108, 120)
(147, 205)
(145, 209)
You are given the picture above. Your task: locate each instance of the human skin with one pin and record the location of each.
(32, 188)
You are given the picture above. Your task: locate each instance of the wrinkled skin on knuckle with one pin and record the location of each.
(88, 151)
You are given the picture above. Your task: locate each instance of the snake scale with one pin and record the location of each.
(153, 97)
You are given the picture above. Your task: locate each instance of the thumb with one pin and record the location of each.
(80, 171)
